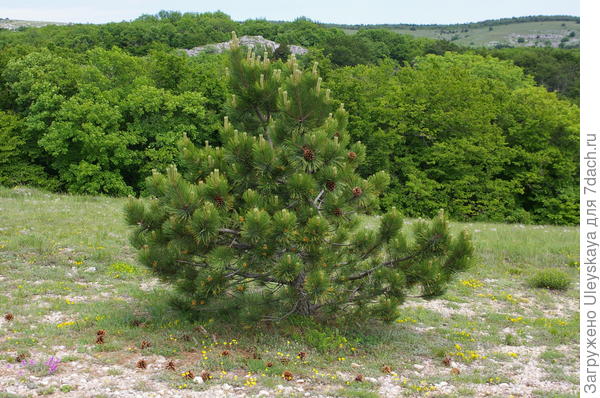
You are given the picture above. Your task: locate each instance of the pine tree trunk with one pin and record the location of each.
(303, 306)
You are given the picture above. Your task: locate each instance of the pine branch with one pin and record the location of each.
(316, 202)
(264, 121)
(229, 231)
(392, 262)
(251, 275)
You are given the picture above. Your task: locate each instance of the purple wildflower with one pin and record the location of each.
(52, 364)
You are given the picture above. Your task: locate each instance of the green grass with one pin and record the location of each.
(67, 271)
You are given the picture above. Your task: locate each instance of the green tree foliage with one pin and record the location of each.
(275, 211)
(352, 50)
(282, 52)
(556, 69)
(16, 167)
(472, 135)
(100, 125)
(94, 108)
(138, 37)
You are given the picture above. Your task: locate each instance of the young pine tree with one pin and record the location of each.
(276, 211)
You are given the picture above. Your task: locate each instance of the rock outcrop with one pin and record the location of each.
(248, 41)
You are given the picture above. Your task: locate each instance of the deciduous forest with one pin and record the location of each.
(485, 133)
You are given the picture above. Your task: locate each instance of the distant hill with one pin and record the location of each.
(14, 24)
(532, 31)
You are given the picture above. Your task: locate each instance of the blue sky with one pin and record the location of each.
(336, 11)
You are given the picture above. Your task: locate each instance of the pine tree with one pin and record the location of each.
(282, 52)
(277, 211)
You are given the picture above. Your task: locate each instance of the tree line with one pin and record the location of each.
(485, 134)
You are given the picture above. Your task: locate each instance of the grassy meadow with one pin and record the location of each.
(67, 272)
(553, 31)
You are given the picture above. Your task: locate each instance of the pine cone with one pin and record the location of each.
(359, 377)
(386, 369)
(309, 154)
(356, 191)
(171, 365)
(141, 364)
(145, 344)
(455, 371)
(101, 332)
(338, 212)
(269, 364)
(100, 339)
(9, 317)
(330, 185)
(205, 375)
(22, 357)
(351, 155)
(288, 375)
(302, 355)
(447, 361)
(225, 353)
(189, 374)
(219, 200)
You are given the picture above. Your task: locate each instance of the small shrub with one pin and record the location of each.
(550, 279)
(510, 339)
(515, 271)
(66, 388)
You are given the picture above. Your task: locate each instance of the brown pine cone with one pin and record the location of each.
(141, 364)
(338, 212)
(189, 374)
(170, 365)
(359, 377)
(22, 357)
(219, 200)
(205, 375)
(356, 191)
(100, 339)
(288, 375)
(351, 155)
(9, 317)
(330, 185)
(308, 153)
(386, 369)
(145, 344)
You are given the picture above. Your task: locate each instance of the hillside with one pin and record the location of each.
(521, 33)
(14, 24)
(540, 31)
